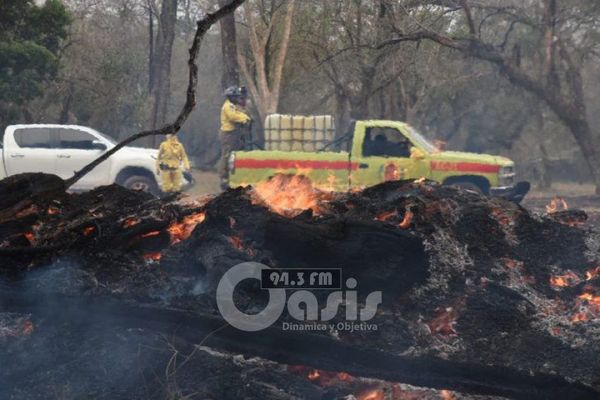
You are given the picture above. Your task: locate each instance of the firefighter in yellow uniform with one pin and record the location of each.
(171, 159)
(234, 118)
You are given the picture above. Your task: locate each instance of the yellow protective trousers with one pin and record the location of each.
(171, 180)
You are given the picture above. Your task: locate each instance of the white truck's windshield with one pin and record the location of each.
(422, 141)
(108, 138)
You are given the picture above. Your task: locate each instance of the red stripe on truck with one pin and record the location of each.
(250, 163)
(464, 167)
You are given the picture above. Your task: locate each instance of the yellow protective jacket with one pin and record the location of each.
(232, 115)
(172, 153)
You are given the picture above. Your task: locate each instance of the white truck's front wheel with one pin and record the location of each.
(141, 183)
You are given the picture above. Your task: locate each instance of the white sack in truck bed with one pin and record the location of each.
(298, 133)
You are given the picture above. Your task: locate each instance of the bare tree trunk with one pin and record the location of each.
(162, 63)
(544, 178)
(341, 110)
(265, 83)
(549, 66)
(230, 75)
(150, 46)
(589, 148)
(545, 182)
(66, 106)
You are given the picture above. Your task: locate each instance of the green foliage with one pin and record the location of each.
(30, 39)
(24, 67)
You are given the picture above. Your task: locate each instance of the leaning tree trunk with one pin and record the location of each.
(162, 63)
(230, 75)
(568, 104)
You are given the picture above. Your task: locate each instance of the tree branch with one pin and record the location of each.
(469, 16)
(202, 27)
(258, 54)
(249, 81)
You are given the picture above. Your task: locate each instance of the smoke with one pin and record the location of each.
(57, 342)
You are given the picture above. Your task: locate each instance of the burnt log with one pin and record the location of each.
(293, 349)
(474, 297)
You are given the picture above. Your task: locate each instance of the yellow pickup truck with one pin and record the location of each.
(377, 151)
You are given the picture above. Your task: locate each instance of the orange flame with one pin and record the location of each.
(592, 273)
(384, 216)
(53, 210)
(129, 222)
(236, 242)
(579, 317)
(319, 377)
(154, 256)
(408, 216)
(331, 179)
(30, 237)
(344, 376)
(447, 395)
(288, 195)
(567, 279)
(557, 204)
(180, 231)
(373, 394)
(150, 234)
(590, 298)
(313, 375)
(588, 306)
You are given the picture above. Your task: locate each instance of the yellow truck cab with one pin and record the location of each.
(376, 151)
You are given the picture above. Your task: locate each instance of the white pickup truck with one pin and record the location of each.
(63, 149)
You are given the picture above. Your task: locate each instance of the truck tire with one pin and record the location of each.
(141, 183)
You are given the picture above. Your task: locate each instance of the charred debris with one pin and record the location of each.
(111, 293)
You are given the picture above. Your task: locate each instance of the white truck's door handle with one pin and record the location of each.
(17, 155)
(63, 156)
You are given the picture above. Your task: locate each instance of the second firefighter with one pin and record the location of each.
(172, 161)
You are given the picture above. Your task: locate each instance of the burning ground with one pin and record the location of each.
(111, 294)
